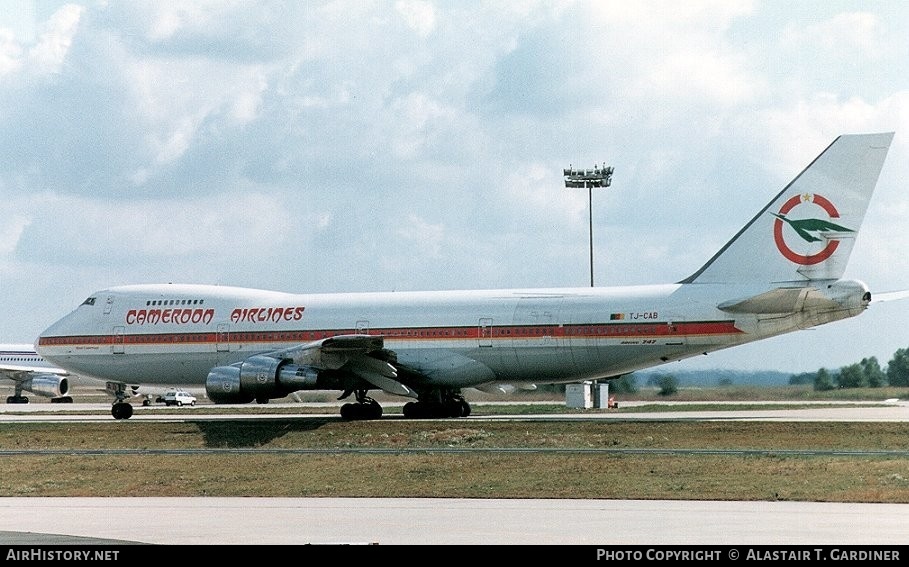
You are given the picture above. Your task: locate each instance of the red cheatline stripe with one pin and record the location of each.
(600, 330)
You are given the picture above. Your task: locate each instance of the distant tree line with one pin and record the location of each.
(864, 374)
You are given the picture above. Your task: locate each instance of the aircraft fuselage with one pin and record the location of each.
(175, 334)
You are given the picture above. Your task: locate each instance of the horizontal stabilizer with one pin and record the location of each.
(890, 296)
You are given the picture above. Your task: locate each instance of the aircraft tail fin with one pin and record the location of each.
(807, 231)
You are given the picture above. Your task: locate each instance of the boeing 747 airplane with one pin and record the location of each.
(31, 373)
(781, 273)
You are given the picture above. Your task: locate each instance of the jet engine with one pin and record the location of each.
(258, 378)
(47, 385)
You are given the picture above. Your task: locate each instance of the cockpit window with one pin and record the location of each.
(89, 301)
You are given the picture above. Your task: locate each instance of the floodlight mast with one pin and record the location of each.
(589, 178)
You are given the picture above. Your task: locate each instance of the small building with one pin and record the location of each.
(588, 395)
(579, 395)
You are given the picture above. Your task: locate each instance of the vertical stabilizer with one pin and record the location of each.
(807, 231)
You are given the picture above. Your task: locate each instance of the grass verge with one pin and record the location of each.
(847, 462)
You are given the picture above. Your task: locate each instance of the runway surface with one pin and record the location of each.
(883, 410)
(420, 521)
(426, 521)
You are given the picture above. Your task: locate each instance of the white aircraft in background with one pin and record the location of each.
(31, 373)
(780, 273)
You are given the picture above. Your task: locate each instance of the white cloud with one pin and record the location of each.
(859, 31)
(423, 236)
(418, 119)
(418, 14)
(158, 230)
(706, 77)
(11, 230)
(404, 144)
(10, 53)
(49, 53)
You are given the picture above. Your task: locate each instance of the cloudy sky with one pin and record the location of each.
(415, 144)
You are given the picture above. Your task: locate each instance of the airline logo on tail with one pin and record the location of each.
(810, 230)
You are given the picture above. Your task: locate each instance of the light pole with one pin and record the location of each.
(589, 178)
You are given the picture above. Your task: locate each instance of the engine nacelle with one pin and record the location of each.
(47, 385)
(256, 378)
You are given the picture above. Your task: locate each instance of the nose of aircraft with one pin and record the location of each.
(67, 326)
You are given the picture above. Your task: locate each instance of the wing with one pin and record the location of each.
(361, 355)
(16, 372)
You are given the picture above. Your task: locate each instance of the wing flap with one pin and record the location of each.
(378, 373)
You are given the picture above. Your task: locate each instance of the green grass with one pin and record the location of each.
(418, 463)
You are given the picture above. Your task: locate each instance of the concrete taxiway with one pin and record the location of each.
(427, 521)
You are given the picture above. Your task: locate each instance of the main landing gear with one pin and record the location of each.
(431, 404)
(437, 405)
(364, 408)
(20, 399)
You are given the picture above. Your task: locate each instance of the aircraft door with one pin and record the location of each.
(535, 340)
(118, 345)
(674, 339)
(484, 332)
(223, 338)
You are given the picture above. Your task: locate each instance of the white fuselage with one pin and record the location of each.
(175, 334)
(22, 357)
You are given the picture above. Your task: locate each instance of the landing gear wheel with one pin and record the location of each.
(17, 400)
(121, 410)
(361, 410)
(442, 404)
(427, 410)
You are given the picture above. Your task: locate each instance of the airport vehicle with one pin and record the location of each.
(780, 273)
(31, 373)
(179, 398)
